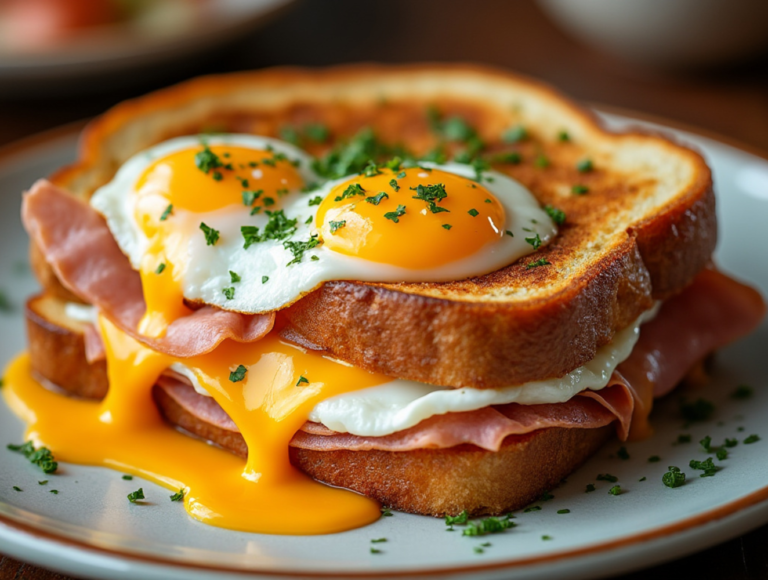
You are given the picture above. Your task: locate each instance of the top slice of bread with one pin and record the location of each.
(641, 233)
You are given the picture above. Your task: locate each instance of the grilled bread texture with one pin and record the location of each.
(640, 228)
(424, 481)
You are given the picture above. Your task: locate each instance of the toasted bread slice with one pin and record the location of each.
(425, 481)
(644, 229)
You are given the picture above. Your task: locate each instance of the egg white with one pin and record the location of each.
(267, 282)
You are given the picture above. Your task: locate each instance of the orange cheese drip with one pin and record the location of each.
(127, 433)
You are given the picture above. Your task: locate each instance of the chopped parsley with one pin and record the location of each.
(565, 511)
(278, 227)
(751, 439)
(54, 491)
(683, 438)
(513, 158)
(699, 410)
(229, 292)
(607, 477)
(43, 482)
(541, 161)
(378, 540)
(706, 443)
(721, 453)
(179, 495)
(168, 211)
(488, 526)
(265, 279)
(238, 374)
(534, 241)
(509, 233)
(514, 134)
(533, 508)
(557, 215)
(371, 170)
(269, 201)
(673, 477)
(432, 194)
(17, 488)
(317, 200)
(376, 199)
(742, 392)
(297, 248)
(317, 132)
(473, 212)
(135, 496)
(302, 381)
(386, 512)
(395, 215)
(731, 442)
(579, 189)
(128, 477)
(243, 181)
(642, 478)
(234, 277)
(447, 226)
(545, 537)
(41, 457)
(546, 496)
(584, 166)
(654, 459)
(351, 157)
(394, 185)
(308, 220)
(707, 466)
(249, 197)
(336, 226)
(160, 268)
(563, 136)
(590, 488)
(211, 235)
(206, 160)
(615, 490)
(375, 550)
(351, 191)
(458, 520)
(537, 264)
(623, 453)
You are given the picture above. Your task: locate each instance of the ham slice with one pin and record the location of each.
(711, 312)
(81, 250)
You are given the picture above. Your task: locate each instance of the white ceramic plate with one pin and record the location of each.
(89, 529)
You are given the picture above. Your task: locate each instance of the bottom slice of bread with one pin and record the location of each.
(423, 481)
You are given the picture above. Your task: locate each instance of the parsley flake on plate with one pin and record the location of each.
(395, 215)
(211, 235)
(179, 495)
(673, 477)
(135, 496)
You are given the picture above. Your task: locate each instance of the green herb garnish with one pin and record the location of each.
(557, 215)
(584, 166)
(135, 496)
(673, 477)
(211, 235)
(395, 215)
(229, 292)
(179, 495)
(302, 381)
(168, 211)
(160, 268)
(41, 457)
(238, 374)
(376, 199)
(751, 439)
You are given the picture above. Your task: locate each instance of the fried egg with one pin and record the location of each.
(238, 222)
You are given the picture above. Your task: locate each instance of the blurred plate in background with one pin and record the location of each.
(156, 34)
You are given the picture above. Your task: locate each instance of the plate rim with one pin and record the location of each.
(72, 131)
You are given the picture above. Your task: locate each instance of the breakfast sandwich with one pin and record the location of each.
(441, 287)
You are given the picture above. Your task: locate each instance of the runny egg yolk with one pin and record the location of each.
(198, 180)
(269, 398)
(413, 218)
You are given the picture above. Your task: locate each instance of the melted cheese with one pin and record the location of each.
(127, 433)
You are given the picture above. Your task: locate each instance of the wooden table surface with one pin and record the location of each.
(517, 35)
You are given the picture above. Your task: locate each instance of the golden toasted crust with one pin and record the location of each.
(645, 228)
(427, 481)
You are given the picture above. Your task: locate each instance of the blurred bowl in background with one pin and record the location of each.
(667, 33)
(53, 47)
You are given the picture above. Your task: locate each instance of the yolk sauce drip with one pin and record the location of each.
(198, 180)
(125, 431)
(454, 219)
